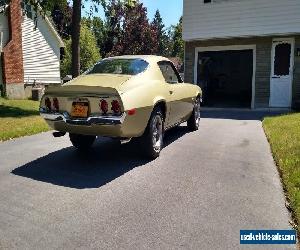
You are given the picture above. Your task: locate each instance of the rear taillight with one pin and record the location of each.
(104, 106)
(115, 106)
(48, 103)
(55, 104)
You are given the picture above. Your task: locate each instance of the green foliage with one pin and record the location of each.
(89, 53)
(125, 30)
(19, 118)
(137, 36)
(178, 44)
(97, 26)
(112, 30)
(283, 133)
(161, 36)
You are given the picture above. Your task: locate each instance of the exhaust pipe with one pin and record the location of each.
(59, 134)
(125, 140)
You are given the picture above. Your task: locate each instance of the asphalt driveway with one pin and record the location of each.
(204, 188)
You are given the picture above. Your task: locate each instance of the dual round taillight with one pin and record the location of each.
(115, 106)
(48, 103)
(104, 106)
(55, 103)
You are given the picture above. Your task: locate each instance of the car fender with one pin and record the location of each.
(139, 99)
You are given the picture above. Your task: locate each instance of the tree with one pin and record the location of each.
(178, 44)
(46, 5)
(137, 35)
(161, 36)
(125, 31)
(75, 34)
(97, 26)
(62, 17)
(76, 20)
(59, 10)
(89, 53)
(114, 11)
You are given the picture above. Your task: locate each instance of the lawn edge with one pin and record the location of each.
(24, 136)
(294, 220)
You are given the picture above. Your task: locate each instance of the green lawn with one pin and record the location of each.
(19, 118)
(283, 133)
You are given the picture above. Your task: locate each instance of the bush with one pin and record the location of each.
(89, 53)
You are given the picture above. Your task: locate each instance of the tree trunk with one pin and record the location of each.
(76, 18)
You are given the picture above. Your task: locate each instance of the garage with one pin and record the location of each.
(226, 77)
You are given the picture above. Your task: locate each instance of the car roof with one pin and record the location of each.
(147, 58)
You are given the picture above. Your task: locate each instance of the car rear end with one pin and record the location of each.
(97, 103)
(90, 111)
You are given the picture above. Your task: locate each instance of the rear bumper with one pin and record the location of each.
(123, 126)
(91, 120)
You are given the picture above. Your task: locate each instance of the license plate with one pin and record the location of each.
(80, 109)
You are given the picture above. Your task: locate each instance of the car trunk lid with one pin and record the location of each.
(100, 80)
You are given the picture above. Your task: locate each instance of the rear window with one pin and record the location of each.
(119, 67)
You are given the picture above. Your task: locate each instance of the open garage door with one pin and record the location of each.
(226, 78)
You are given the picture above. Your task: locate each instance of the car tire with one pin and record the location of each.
(194, 121)
(82, 142)
(152, 139)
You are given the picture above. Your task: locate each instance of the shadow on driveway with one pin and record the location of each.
(106, 161)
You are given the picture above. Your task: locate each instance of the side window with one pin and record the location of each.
(169, 72)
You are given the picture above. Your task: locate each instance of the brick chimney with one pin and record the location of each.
(13, 72)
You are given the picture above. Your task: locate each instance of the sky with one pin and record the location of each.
(170, 10)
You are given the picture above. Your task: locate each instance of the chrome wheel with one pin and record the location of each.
(157, 133)
(197, 112)
(194, 121)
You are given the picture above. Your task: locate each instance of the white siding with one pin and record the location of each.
(4, 30)
(41, 52)
(240, 18)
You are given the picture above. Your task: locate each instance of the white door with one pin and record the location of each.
(282, 73)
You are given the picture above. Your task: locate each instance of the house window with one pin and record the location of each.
(207, 1)
(282, 59)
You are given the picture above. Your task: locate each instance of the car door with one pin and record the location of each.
(177, 98)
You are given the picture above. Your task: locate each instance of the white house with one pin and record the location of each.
(244, 53)
(30, 53)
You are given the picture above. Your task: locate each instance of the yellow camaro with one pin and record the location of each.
(123, 97)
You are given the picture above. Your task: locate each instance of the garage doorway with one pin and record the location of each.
(226, 76)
